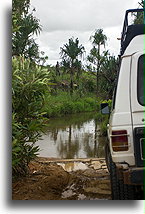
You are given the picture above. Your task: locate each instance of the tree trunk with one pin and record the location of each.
(71, 81)
(98, 68)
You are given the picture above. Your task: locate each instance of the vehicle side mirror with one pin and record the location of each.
(105, 108)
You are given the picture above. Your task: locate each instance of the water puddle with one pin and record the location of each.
(69, 192)
(73, 166)
(89, 180)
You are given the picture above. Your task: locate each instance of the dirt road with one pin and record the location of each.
(72, 179)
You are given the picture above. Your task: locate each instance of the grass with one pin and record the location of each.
(63, 104)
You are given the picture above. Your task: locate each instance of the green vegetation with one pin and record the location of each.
(24, 26)
(95, 56)
(64, 103)
(40, 92)
(70, 54)
(29, 83)
(139, 17)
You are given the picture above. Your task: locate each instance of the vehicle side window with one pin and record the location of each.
(140, 80)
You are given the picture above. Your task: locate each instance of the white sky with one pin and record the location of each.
(63, 19)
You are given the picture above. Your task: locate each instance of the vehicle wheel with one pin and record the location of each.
(126, 192)
(119, 190)
(140, 193)
(107, 156)
(122, 190)
(114, 180)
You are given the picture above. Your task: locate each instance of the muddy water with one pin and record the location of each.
(75, 136)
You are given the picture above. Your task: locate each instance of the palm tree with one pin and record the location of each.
(70, 54)
(108, 72)
(24, 26)
(97, 39)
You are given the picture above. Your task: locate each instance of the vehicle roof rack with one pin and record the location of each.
(130, 31)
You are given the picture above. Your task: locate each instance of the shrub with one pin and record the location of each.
(29, 83)
(68, 107)
(103, 126)
(79, 106)
(91, 101)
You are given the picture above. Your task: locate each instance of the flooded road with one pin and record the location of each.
(73, 136)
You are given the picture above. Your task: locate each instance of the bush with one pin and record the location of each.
(29, 83)
(22, 151)
(103, 126)
(91, 101)
(64, 103)
(79, 106)
(67, 107)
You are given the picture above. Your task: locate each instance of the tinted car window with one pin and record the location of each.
(140, 80)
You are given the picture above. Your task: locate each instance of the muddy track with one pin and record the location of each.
(72, 179)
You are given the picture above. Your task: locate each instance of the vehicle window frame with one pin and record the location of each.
(139, 79)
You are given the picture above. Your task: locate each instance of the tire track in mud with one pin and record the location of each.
(71, 179)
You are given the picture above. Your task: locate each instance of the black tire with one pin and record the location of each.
(107, 156)
(119, 190)
(130, 193)
(113, 178)
(140, 195)
(126, 192)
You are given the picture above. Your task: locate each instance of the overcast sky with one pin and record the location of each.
(63, 19)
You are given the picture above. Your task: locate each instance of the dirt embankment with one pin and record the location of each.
(63, 180)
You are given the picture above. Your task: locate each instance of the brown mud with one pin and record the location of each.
(51, 179)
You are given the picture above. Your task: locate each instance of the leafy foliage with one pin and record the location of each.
(24, 26)
(98, 39)
(70, 54)
(139, 17)
(102, 65)
(64, 103)
(29, 83)
(32, 98)
(108, 74)
(95, 56)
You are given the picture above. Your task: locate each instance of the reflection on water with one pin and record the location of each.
(73, 166)
(74, 136)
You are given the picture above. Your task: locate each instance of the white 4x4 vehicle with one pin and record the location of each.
(125, 155)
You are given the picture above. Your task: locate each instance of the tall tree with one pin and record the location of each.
(24, 26)
(108, 74)
(98, 39)
(71, 53)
